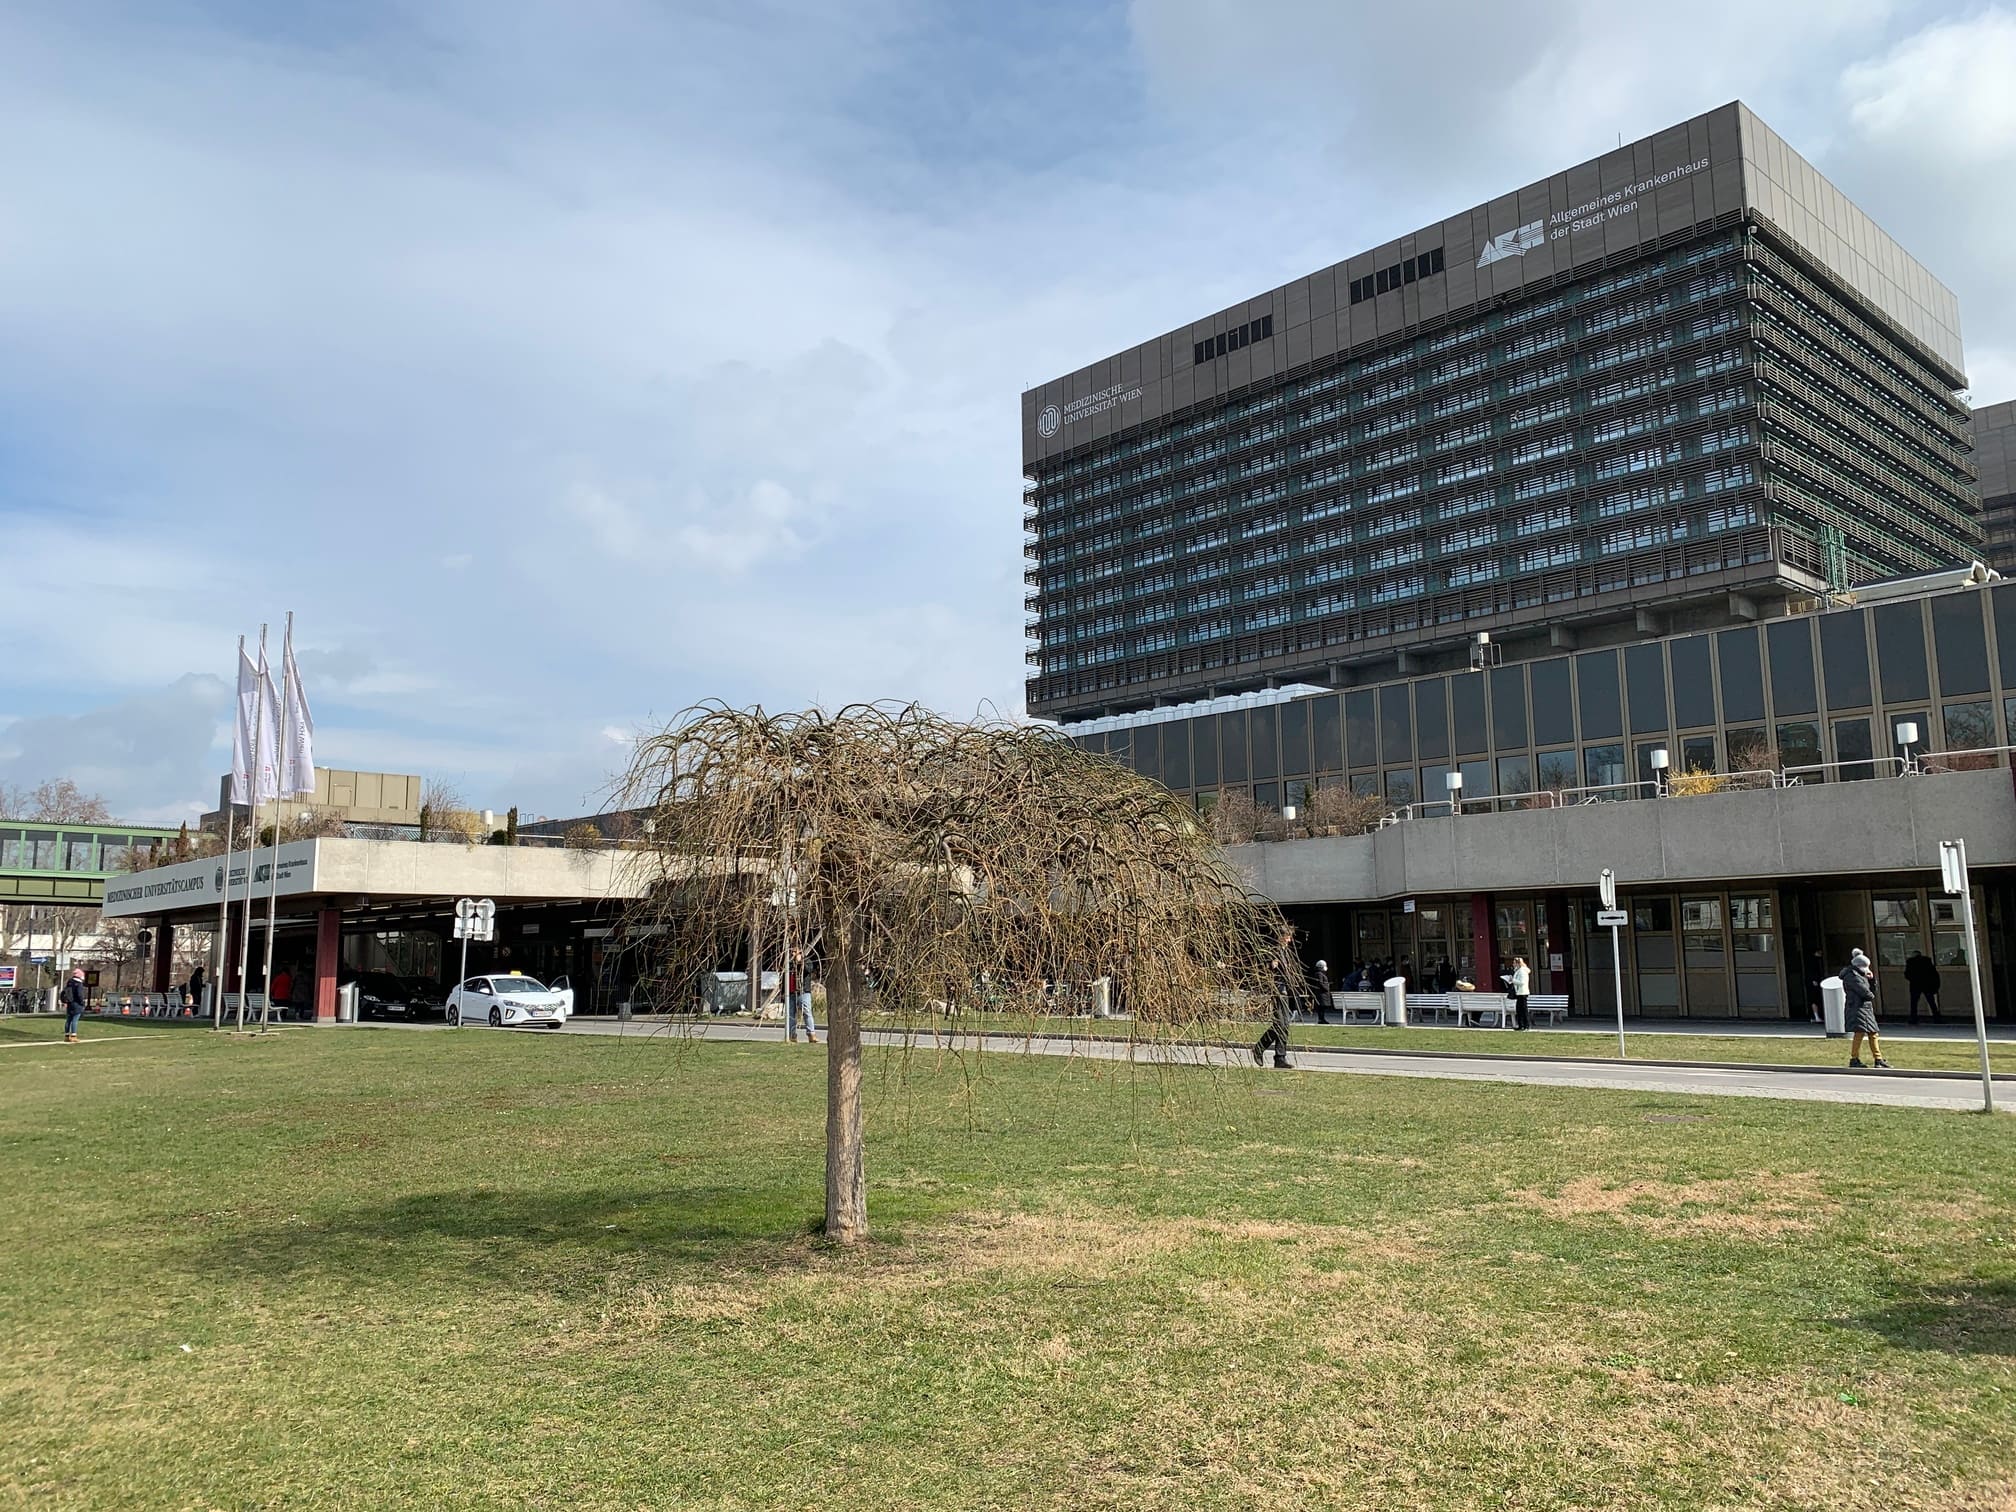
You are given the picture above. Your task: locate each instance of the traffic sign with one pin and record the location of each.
(1612, 918)
(1606, 887)
(475, 919)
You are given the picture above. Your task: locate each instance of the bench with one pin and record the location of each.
(1551, 1007)
(1359, 1007)
(1430, 1007)
(1481, 1010)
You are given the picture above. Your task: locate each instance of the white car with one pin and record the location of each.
(508, 1002)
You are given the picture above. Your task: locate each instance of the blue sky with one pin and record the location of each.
(561, 365)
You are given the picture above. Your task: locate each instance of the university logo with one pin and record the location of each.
(1049, 422)
(220, 879)
(1513, 243)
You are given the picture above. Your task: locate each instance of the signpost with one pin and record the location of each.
(475, 919)
(1953, 872)
(1614, 918)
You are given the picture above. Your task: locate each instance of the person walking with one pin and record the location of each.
(1921, 975)
(75, 999)
(1290, 987)
(195, 987)
(1858, 981)
(1322, 982)
(798, 1001)
(1521, 983)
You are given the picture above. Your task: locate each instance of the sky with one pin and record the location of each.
(563, 365)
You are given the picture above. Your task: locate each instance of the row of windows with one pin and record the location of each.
(1911, 660)
(1427, 265)
(1232, 340)
(46, 850)
(1406, 352)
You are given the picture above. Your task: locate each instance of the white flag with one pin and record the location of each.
(242, 734)
(297, 765)
(269, 742)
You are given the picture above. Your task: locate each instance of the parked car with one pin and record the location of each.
(381, 995)
(426, 997)
(507, 1002)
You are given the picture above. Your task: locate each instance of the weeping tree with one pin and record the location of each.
(941, 865)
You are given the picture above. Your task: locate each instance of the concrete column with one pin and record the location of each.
(328, 955)
(164, 955)
(1483, 944)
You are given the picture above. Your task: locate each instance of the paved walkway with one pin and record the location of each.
(1717, 1081)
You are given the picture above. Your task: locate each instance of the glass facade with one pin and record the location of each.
(1533, 726)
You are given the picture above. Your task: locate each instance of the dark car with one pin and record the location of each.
(381, 995)
(425, 997)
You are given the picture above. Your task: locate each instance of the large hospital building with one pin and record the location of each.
(1661, 465)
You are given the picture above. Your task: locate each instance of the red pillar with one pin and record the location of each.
(1483, 943)
(328, 954)
(1558, 944)
(164, 956)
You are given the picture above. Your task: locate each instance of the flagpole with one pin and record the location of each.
(220, 969)
(280, 781)
(252, 829)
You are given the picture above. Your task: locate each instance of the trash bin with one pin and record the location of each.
(1396, 1002)
(1102, 997)
(623, 1011)
(346, 1003)
(1834, 1007)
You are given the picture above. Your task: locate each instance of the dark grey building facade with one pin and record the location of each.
(1995, 458)
(1672, 388)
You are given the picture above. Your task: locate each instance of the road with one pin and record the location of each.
(1716, 1081)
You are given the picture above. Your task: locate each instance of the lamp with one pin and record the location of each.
(1288, 812)
(1661, 759)
(1907, 737)
(1453, 781)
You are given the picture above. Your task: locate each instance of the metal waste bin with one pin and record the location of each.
(346, 1003)
(1834, 1007)
(1396, 1002)
(623, 1011)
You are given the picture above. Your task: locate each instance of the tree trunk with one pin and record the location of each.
(846, 1174)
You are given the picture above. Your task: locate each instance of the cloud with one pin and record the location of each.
(139, 754)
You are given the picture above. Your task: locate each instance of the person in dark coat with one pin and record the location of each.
(1858, 981)
(1445, 976)
(1921, 975)
(1291, 986)
(75, 999)
(1320, 979)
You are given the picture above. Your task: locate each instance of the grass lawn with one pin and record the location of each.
(357, 1268)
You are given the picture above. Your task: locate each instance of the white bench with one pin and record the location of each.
(1359, 1007)
(1549, 1006)
(1430, 1007)
(1481, 1010)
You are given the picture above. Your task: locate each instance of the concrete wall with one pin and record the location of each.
(1820, 830)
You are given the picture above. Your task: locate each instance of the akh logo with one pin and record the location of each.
(1514, 243)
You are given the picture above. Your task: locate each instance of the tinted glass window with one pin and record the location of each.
(1900, 651)
(1961, 643)
(1603, 765)
(1431, 719)
(1361, 737)
(1176, 753)
(1204, 751)
(1844, 659)
(1148, 751)
(1508, 707)
(1466, 698)
(1263, 731)
(2003, 606)
(1232, 747)
(1120, 746)
(1851, 745)
(1400, 786)
(1742, 682)
(1693, 684)
(1329, 734)
(1553, 708)
(1645, 683)
(1396, 725)
(1799, 745)
(1790, 644)
(1515, 774)
(1295, 738)
(1596, 687)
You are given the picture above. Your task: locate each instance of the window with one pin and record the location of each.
(1431, 718)
(1295, 738)
(1361, 730)
(1645, 685)
(1396, 725)
(1799, 745)
(1551, 554)
(1329, 722)
(1693, 684)
(1508, 707)
(1217, 346)
(1742, 677)
(1790, 643)
(1900, 651)
(1970, 727)
(1204, 751)
(1395, 276)
(1553, 709)
(1232, 746)
(1853, 750)
(1600, 707)
(1844, 659)
(1961, 643)
(1603, 765)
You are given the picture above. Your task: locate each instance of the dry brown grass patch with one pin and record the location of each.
(1763, 1205)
